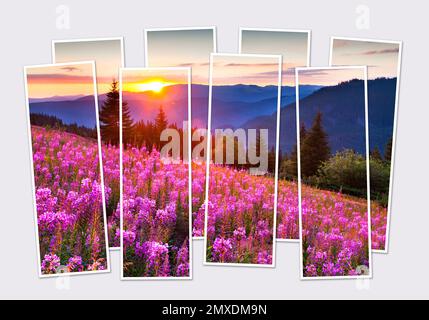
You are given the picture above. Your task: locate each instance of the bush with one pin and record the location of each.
(380, 180)
(346, 172)
(288, 170)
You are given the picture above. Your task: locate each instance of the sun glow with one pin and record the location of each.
(154, 86)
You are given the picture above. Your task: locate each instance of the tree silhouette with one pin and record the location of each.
(109, 117)
(160, 125)
(294, 153)
(375, 154)
(388, 150)
(314, 148)
(161, 121)
(256, 149)
(127, 124)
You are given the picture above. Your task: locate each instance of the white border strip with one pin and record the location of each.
(301, 267)
(123, 278)
(279, 85)
(32, 171)
(395, 122)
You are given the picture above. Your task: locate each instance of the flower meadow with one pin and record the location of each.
(335, 226)
(69, 207)
(240, 217)
(156, 234)
(287, 210)
(198, 196)
(288, 213)
(156, 237)
(111, 174)
(334, 234)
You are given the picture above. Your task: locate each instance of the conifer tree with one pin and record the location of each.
(161, 124)
(314, 148)
(388, 150)
(375, 154)
(161, 121)
(294, 153)
(127, 124)
(109, 117)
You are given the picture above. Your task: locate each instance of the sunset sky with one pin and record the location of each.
(380, 57)
(328, 77)
(293, 46)
(140, 80)
(181, 48)
(153, 82)
(106, 53)
(63, 80)
(250, 70)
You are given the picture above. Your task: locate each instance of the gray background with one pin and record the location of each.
(27, 29)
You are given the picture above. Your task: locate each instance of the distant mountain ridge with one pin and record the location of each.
(243, 106)
(57, 98)
(231, 104)
(80, 111)
(338, 105)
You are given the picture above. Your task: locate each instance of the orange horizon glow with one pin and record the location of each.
(154, 85)
(60, 80)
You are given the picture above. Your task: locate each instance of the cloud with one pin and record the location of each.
(374, 52)
(58, 78)
(251, 64)
(70, 69)
(267, 74)
(203, 64)
(384, 51)
(311, 73)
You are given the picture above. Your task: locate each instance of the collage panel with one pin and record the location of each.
(109, 58)
(383, 59)
(155, 173)
(70, 217)
(334, 173)
(189, 47)
(242, 162)
(294, 46)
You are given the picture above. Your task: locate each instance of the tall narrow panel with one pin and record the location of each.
(294, 46)
(333, 173)
(108, 56)
(66, 160)
(155, 174)
(242, 174)
(383, 59)
(190, 47)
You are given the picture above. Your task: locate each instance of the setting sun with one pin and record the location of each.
(154, 86)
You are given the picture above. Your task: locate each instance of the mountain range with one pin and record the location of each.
(79, 110)
(343, 116)
(249, 106)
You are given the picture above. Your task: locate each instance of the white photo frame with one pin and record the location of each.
(148, 64)
(94, 83)
(209, 156)
(395, 121)
(77, 41)
(369, 275)
(122, 277)
(268, 30)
